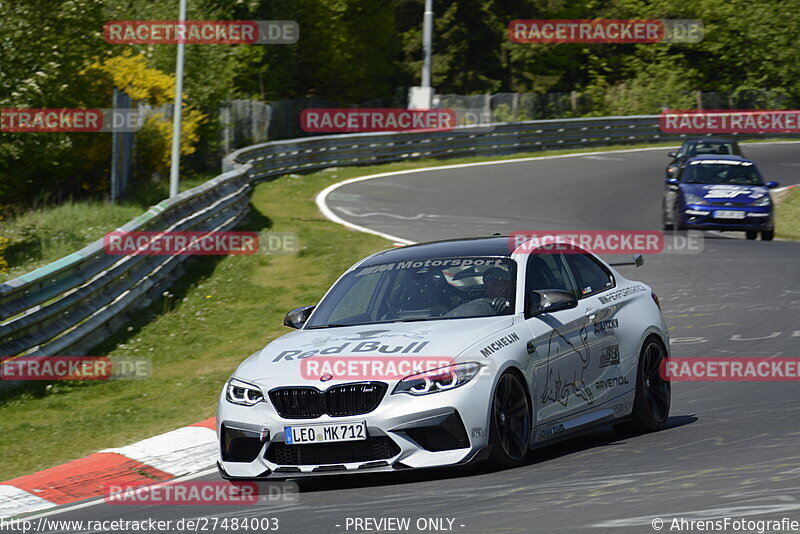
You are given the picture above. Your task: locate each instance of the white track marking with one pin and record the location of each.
(178, 452)
(322, 197)
(15, 501)
(99, 500)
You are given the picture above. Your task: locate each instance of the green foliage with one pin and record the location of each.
(352, 51)
(43, 45)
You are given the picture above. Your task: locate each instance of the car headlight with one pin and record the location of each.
(672, 169)
(242, 393)
(763, 201)
(694, 199)
(437, 380)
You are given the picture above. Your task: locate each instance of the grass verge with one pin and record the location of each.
(787, 215)
(226, 308)
(47, 233)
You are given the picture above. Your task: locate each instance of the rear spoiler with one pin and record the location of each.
(638, 261)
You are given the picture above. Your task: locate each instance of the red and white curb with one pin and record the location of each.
(782, 189)
(157, 459)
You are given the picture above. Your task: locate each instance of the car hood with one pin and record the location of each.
(280, 362)
(724, 193)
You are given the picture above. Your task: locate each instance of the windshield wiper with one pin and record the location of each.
(332, 325)
(411, 320)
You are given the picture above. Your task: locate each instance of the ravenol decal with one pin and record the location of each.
(610, 383)
(494, 346)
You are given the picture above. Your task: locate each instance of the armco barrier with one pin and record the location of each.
(69, 306)
(72, 304)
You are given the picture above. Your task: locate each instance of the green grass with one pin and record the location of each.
(47, 233)
(225, 309)
(787, 215)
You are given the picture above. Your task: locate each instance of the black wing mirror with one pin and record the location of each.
(298, 317)
(673, 154)
(549, 301)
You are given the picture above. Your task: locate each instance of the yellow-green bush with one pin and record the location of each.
(142, 83)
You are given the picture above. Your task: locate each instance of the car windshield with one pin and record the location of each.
(713, 147)
(722, 172)
(420, 290)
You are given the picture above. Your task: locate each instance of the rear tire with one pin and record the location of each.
(510, 423)
(767, 235)
(751, 234)
(653, 393)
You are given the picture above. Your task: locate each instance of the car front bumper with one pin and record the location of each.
(403, 432)
(702, 217)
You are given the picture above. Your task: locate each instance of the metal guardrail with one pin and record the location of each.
(69, 306)
(72, 304)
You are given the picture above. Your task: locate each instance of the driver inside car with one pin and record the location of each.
(499, 286)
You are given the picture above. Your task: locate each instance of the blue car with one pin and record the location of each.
(719, 192)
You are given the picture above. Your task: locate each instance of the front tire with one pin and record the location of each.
(653, 392)
(767, 235)
(510, 424)
(678, 224)
(664, 219)
(751, 234)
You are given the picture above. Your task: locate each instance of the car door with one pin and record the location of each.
(594, 280)
(560, 346)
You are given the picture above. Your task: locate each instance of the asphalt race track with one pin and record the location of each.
(731, 450)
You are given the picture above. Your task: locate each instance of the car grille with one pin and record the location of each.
(368, 450)
(338, 401)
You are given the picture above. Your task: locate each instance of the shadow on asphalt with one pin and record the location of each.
(603, 436)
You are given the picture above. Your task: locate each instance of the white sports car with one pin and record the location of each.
(444, 354)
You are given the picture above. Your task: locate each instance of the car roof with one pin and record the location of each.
(711, 140)
(718, 156)
(472, 246)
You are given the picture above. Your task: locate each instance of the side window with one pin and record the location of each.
(591, 276)
(547, 271)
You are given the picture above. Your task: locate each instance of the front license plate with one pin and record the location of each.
(297, 435)
(728, 214)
